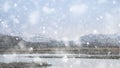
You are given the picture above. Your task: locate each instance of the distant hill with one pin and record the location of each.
(7, 42)
(90, 44)
(100, 40)
(91, 40)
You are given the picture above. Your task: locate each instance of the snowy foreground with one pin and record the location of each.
(63, 62)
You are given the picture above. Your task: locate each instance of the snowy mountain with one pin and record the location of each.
(7, 41)
(100, 40)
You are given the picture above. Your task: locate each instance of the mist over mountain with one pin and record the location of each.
(38, 38)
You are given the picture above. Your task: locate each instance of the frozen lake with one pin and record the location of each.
(62, 62)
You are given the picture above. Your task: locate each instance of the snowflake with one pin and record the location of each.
(15, 19)
(99, 18)
(31, 49)
(0, 20)
(36, 59)
(119, 25)
(109, 52)
(118, 41)
(4, 24)
(55, 32)
(43, 31)
(78, 9)
(6, 6)
(87, 43)
(96, 47)
(48, 10)
(65, 59)
(114, 2)
(95, 31)
(33, 18)
(43, 27)
(15, 5)
(17, 38)
(25, 8)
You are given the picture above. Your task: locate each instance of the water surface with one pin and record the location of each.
(62, 62)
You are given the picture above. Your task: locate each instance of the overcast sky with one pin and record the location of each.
(59, 19)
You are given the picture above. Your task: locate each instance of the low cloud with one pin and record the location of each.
(6, 6)
(48, 10)
(111, 22)
(101, 1)
(33, 18)
(78, 9)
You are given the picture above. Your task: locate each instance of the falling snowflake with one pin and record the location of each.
(15, 5)
(87, 43)
(114, 2)
(95, 32)
(65, 59)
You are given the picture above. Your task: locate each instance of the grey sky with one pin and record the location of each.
(59, 19)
